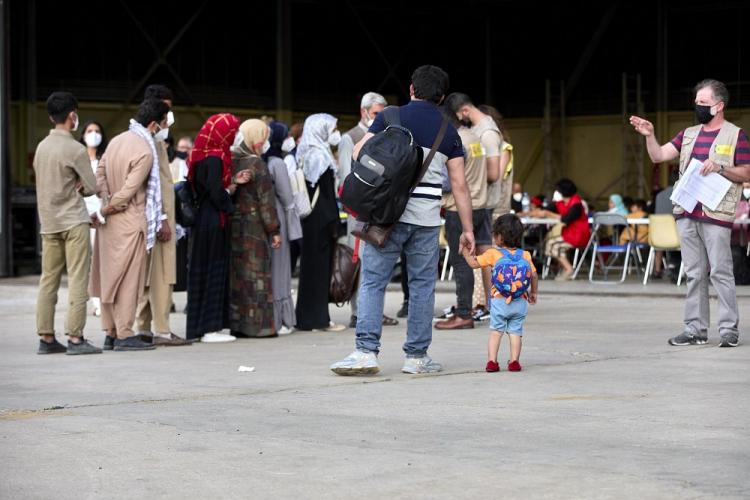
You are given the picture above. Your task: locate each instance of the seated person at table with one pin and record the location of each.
(640, 231)
(575, 232)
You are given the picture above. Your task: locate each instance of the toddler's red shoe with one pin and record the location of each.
(492, 366)
(514, 366)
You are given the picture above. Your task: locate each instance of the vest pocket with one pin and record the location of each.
(728, 206)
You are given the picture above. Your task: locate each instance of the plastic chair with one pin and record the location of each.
(628, 250)
(662, 235)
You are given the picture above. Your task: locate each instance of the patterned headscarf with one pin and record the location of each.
(214, 139)
(313, 152)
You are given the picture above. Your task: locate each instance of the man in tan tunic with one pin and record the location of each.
(161, 272)
(119, 264)
(63, 175)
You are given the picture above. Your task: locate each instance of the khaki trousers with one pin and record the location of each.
(118, 317)
(68, 250)
(154, 305)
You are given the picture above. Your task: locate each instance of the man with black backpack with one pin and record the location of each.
(417, 227)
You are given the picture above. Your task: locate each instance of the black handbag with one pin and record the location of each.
(187, 208)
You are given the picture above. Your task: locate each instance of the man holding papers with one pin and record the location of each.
(714, 148)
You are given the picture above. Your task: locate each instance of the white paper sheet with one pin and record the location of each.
(693, 187)
(683, 198)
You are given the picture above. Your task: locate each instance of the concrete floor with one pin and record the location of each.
(603, 409)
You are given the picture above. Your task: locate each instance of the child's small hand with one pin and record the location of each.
(532, 297)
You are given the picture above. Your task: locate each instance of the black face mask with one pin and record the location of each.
(703, 114)
(181, 154)
(466, 122)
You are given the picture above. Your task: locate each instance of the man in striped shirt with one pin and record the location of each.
(705, 234)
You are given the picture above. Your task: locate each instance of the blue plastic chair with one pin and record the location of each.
(628, 250)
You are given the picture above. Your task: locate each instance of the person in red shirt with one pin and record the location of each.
(569, 210)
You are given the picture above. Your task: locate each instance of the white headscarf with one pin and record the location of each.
(314, 152)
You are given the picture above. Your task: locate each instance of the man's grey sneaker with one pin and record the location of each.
(729, 340)
(53, 347)
(134, 343)
(425, 364)
(357, 363)
(109, 343)
(83, 347)
(688, 339)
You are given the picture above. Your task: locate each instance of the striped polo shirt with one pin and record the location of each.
(700, 152)
(423, 119)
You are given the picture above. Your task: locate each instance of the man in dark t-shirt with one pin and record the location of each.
(416, 234)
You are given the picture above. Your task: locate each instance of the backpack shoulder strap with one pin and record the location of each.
(392, 116)
(433, 150)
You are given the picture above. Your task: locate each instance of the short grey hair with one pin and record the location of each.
(718, 88)
(371, 98)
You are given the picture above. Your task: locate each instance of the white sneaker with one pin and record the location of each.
(218, 337)
(357, 363)
(425, 364)
(284, 330)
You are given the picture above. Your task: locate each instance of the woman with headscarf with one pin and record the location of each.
(616, 205)
(210, 177)
(291, 230)
(315, 158)
(254, 222)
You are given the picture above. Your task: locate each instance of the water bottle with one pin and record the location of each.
(525, 203)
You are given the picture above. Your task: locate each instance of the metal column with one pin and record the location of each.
(283, 61)
(6, 239)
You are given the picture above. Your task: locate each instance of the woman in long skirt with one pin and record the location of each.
(291, 230)
(320, 227)
(254, 223)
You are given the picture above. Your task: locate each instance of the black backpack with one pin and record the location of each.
(389, 167)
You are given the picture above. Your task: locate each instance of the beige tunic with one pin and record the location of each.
(120, 246)
(163, 259)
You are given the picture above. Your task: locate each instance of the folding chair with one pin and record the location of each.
(556, 231)
(628, 250)
(662, 235)
(443, 243)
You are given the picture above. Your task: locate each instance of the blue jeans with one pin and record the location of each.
(420, 244)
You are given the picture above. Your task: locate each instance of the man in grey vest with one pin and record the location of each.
(372, 103)
(705, 234)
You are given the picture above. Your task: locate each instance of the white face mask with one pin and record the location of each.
(162, 134)
(288, 144)
(556, 196)
(75, 124)
(518, 196)
(93, 139)
(170, 119)
(746, 193)
(334, 138)
(266, 147)
(369, 120)
(238, 140)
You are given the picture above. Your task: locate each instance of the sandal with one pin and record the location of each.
(389, 321)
